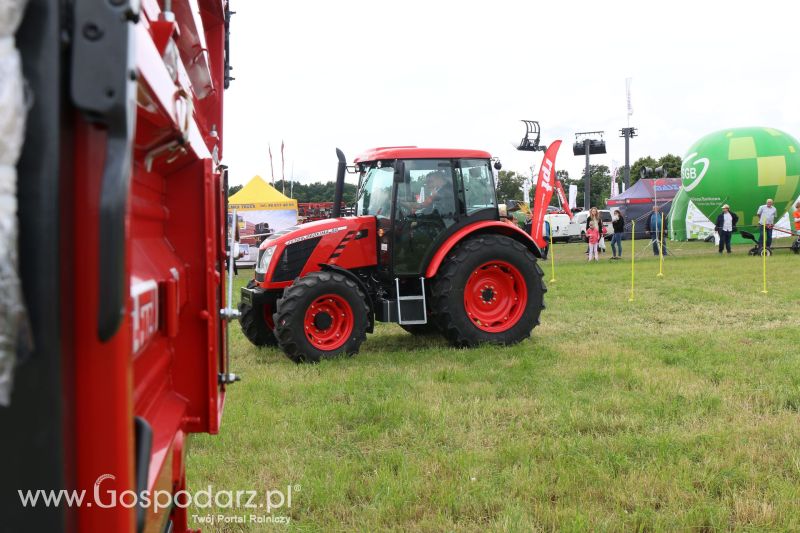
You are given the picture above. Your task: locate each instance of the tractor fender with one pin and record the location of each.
(348, 274)
(480, 228)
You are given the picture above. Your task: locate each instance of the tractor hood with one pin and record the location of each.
(348, 242)
(305, 231)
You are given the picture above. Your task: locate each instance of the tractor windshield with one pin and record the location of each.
(375, 195)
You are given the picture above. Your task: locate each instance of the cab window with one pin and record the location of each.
(476, 188)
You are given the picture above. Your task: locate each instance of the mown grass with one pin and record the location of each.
(677, 411)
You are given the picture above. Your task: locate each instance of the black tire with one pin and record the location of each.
(584, 238)
(253, 322)
(421, 329)
(290, 326)
(448, 301)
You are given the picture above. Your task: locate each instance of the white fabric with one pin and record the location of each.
(767, 214)
(727, 222)
(12, 130)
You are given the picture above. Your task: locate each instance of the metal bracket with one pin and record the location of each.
(103, 87)
(227, 379)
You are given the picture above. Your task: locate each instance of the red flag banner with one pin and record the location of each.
(544, 193)
(562, 197)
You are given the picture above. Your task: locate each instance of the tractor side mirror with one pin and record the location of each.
(399, 171)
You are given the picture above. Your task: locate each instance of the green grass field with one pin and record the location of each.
(678, 411)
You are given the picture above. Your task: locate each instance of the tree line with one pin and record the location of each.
(309, 192)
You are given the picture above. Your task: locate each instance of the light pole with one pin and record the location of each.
(627, 133)
(588, 142)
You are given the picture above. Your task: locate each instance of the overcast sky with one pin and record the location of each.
(356, 75)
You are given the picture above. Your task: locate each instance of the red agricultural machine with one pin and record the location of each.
(426, 249)
(123, 253)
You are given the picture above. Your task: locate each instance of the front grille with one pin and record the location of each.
(293, 259)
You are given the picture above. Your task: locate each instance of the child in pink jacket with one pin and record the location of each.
(593, 234)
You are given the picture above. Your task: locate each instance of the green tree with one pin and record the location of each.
(638, 166)
(601, 186)
(234, 189)
(509, 185)
(317, 191)
(672, 165)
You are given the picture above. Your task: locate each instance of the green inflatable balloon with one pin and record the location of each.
(742, 167)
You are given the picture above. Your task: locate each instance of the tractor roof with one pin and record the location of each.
(413, 152)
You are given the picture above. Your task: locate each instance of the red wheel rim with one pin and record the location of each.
(328, 322)
(495, 296)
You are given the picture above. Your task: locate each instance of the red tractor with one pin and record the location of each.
(426, 249)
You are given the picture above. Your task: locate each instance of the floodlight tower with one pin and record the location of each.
(588, 142)
(627, 133)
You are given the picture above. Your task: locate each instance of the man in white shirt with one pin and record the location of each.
(766, 219)
(726, 226)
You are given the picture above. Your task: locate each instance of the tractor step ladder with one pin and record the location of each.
(420, 311)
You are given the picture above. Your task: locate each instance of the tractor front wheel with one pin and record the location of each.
(322, 315)
(256, 320)
(489, 290)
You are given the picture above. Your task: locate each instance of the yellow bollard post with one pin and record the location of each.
(633, 255)
(552, 258)
(661, 249)
(764, 255)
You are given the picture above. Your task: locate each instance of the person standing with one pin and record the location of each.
(594, 221)
(796, 217)
(593, 234)
(657, 229)
(726, 227)
(766, 220)
(618, 223)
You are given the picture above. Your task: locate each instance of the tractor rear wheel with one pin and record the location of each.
(322, 315)
(256, 321)
(489, 290)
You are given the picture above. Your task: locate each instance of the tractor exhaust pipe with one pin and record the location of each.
(336, 212)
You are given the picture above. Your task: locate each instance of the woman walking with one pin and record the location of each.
(618, 223)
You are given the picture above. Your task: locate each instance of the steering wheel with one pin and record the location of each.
(404, 209)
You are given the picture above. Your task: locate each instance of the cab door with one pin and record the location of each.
(425, 207)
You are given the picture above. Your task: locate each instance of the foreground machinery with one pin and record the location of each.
(122, 258)
(426, 249)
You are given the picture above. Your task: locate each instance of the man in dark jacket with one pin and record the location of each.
(655, 230)
(726, 227)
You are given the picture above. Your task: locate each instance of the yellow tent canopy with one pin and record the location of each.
(258, 195)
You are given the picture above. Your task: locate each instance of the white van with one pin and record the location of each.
(561, 227)
(579, 223)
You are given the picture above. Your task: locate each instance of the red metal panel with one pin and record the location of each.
(162, 364)
(103, 371)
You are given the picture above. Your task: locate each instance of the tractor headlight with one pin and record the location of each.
(265, 259)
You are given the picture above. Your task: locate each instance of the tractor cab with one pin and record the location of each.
(419, 200)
